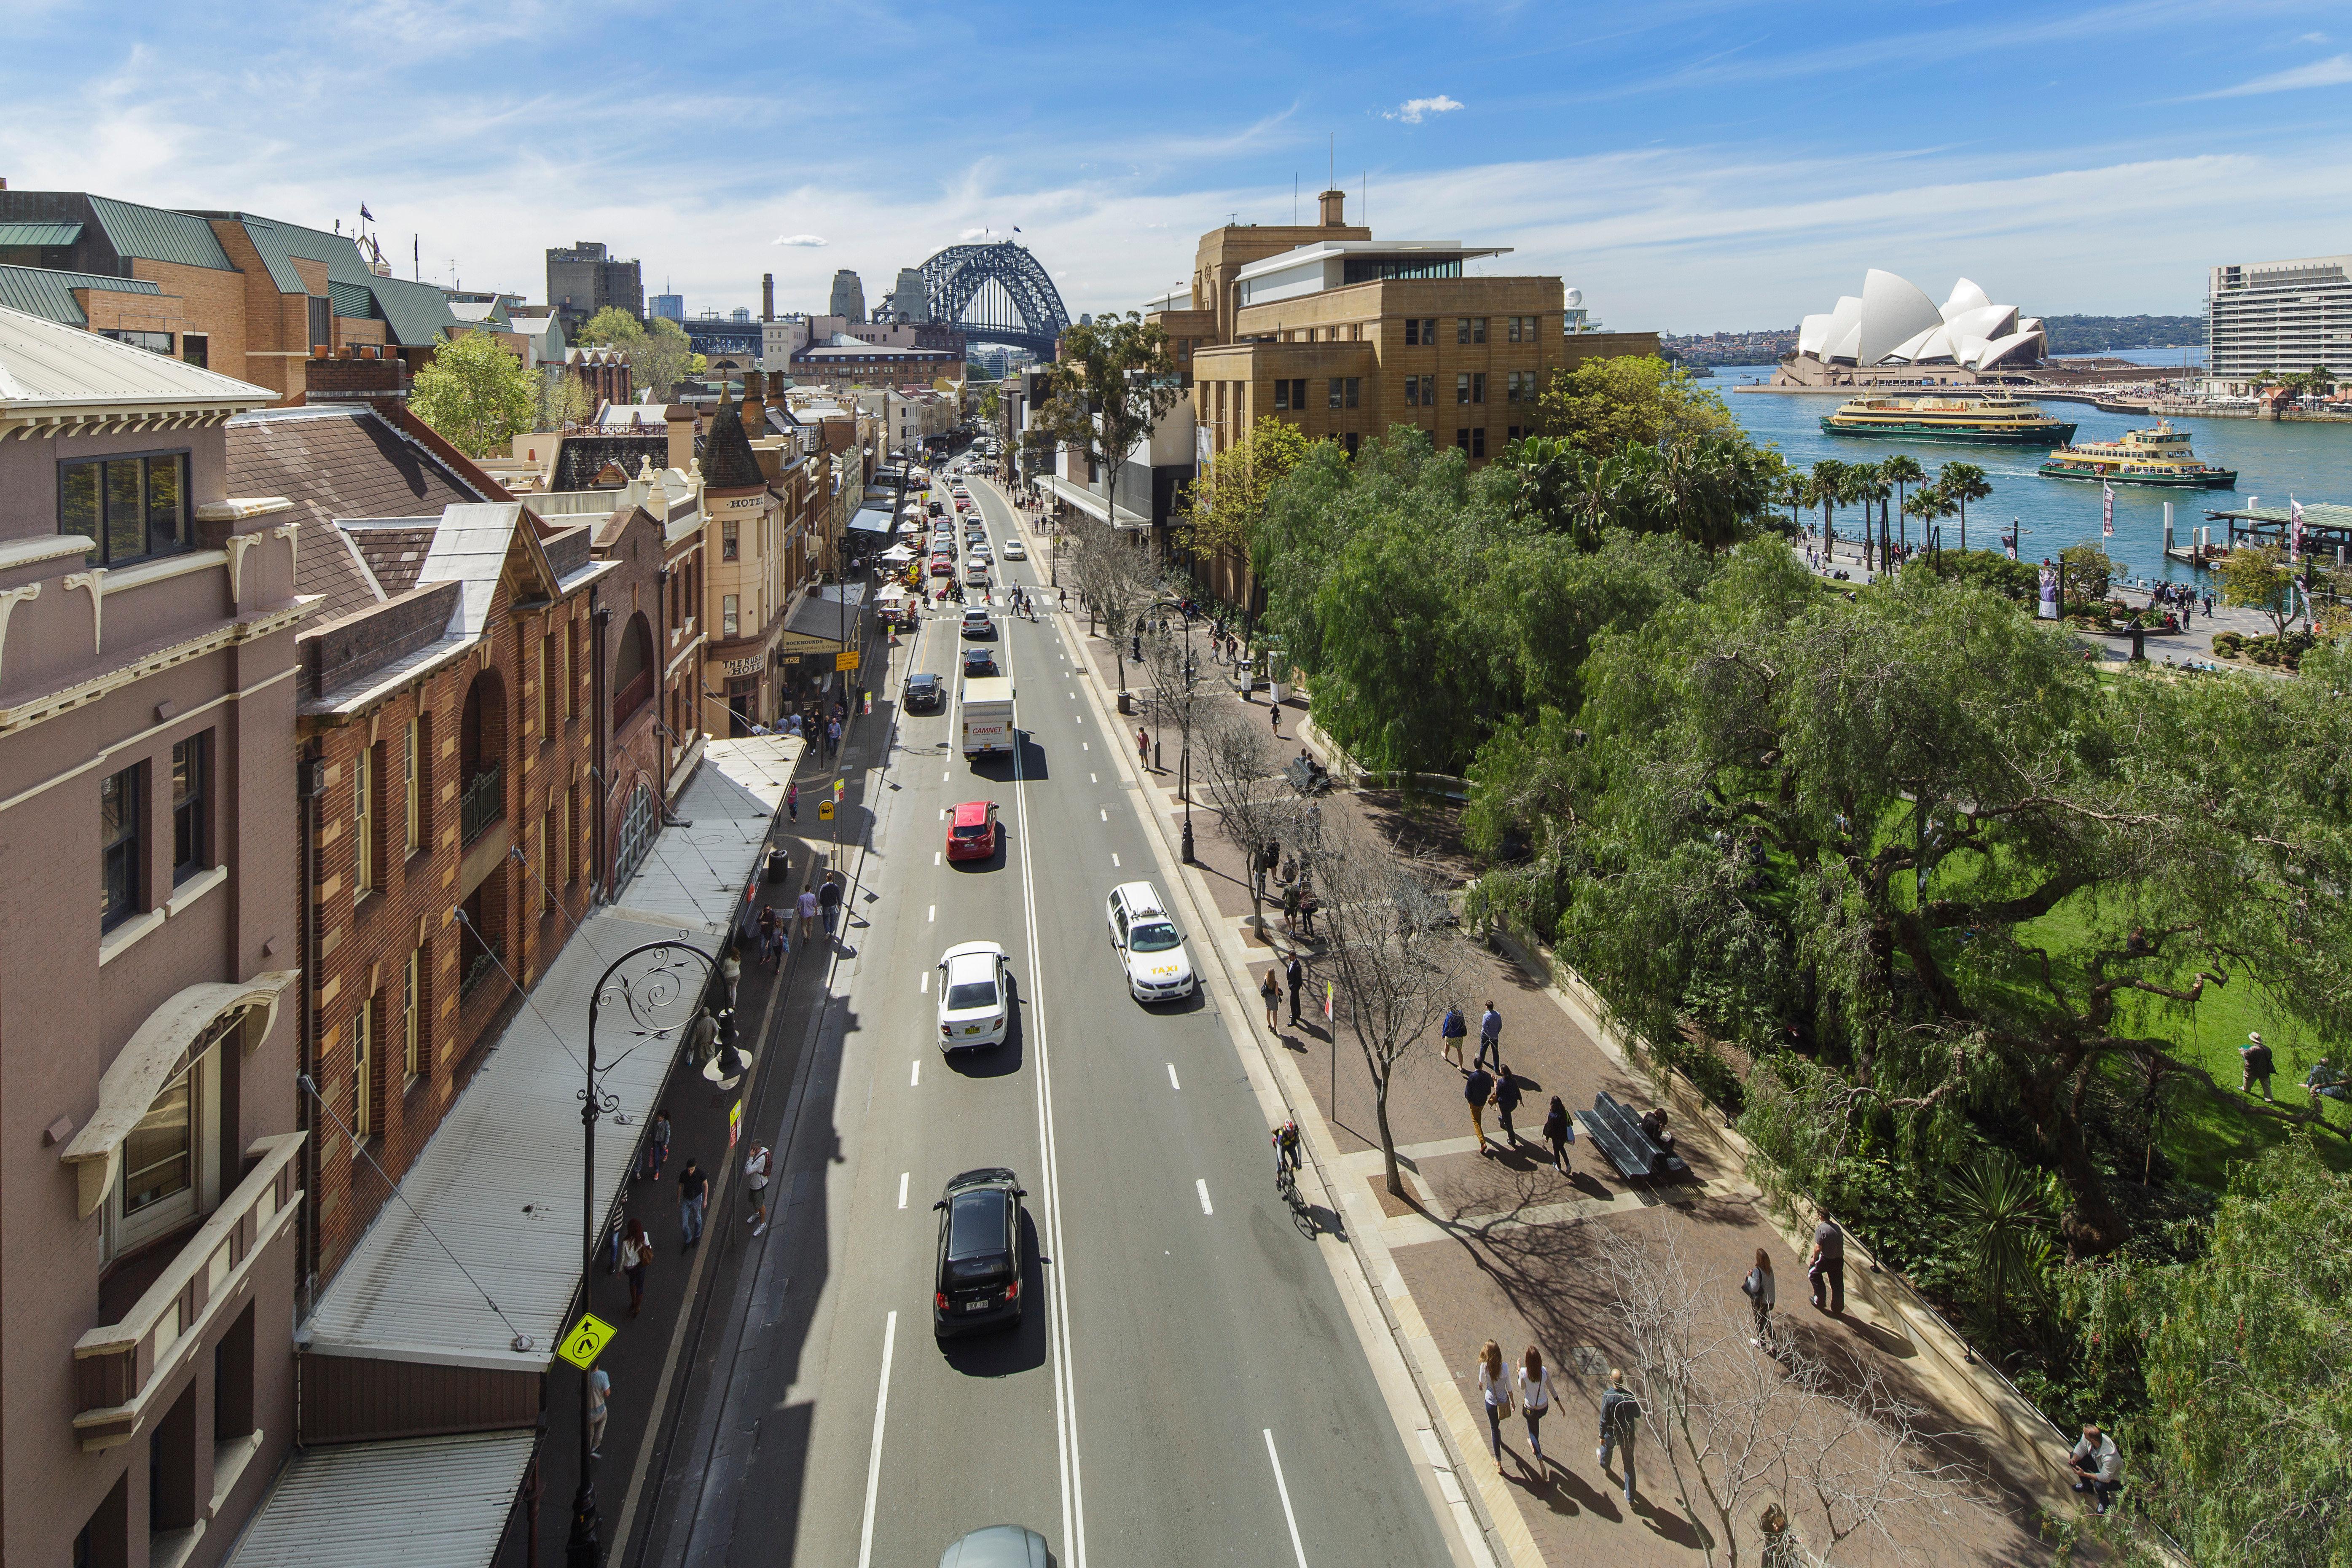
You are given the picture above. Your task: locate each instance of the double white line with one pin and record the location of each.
(1049, 1185)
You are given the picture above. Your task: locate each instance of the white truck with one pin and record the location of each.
(987, 715)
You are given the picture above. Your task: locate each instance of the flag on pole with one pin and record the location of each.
(2294, 528)
(2107, 511)
(365, 216)
(1326, 1001)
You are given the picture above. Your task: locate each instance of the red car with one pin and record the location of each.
(942, 565)
(973, 832)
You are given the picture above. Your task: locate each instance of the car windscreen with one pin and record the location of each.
(976, 1226)
(971, 994)
(1153, 936)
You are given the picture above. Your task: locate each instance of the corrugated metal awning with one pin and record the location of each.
(39, 233)
(425, 1502)
(694, 878)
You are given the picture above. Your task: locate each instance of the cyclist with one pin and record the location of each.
(1289, 1151)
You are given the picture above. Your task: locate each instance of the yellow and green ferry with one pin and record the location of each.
(2157, 456)
(1978, 421)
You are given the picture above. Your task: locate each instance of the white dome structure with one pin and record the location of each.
(1894, 323)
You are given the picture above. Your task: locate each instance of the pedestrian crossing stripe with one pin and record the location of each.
(586, 1341)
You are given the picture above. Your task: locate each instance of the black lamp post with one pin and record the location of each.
(656, 984)
(1184, 756)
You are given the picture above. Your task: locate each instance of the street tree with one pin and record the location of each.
(1825, 487)
(1116, 580)
(2259, 577)
(1743, 1425)
(1236, 765)
(476, 393)
(1902, 470)
(2089, 573)
(1867, 488)
(1393, 949)
(1178, 700)
(1112, 382)
(1919, 835)
(1962, 483)
(1221, 515)
(1930, 506)
(663, 357)
(1603, 404)
(1790, 489)
(611, 328)
(564, 400)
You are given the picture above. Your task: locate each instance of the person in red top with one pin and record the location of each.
(1142, 749)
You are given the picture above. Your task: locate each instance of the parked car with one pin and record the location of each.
(977, 1282)
(974, 831)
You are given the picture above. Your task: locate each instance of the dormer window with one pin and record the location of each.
(134, 506)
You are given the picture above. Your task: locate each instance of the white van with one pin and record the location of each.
(987, 713)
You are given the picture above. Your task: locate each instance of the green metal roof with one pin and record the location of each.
(354, 300)
(417, 313)
(39, 291)
(152, 234)
(39, 233)
(281, 242)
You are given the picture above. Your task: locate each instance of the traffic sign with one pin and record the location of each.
(586, 1341)
(845, 660)
(825, 810)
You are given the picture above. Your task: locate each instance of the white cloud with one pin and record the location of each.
(812, 241)
(2334, 71)
(1414, 110)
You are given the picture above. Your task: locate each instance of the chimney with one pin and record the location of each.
(1334, 202)
(755, 406)
(767, 296)
(680, 419)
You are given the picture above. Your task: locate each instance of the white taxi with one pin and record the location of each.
(975, 996)
(1149, 944)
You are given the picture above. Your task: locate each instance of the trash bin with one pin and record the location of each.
(780, 865)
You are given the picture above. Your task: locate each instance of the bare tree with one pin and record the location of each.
(1178, 699)
(1115, 580)
(1765, 1429)
(1235, 764)
(1394, 951)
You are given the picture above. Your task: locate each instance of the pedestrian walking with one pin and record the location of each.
(636, 1251)
(599, 1396)
(1273, 711)
(1143, 750)
(1535, 1398)
(792, 790)
(755, 1187)
(611, 1247)
(806, 907)
(1490, 1036)
(1507, 1100)
(693, 1192)
(702, 1039)
(1291, 907)
(770, 944)
(1494, 1389)
(1559, 1131)
(1762, 1295)
(2255, 1057)
(1825, 1268)
(829, 899)
(657, 1145)
(2098, 1465)
(1294, 973)
(1451, 1032)
(1621, 1418)
(1477, 1090)
(1270, 994)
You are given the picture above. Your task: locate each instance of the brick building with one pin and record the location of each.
(151, 1183)
(583, 277)
(248, 296)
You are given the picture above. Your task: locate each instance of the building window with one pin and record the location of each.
(159, 1153)
(1298, 395)
(1462, 386)
(550, 827)
(547, 664)
(1462, 438)
(1412, 392)
(1338, 390)
(1478, 387)
(1478, 442)
(1469, 329)
(363, 1070)
(192, 825)
(1421, 331)
(133, 506)
(729, 548)
(411, 1017)
(727, 607)
(412, 787)
(1352, 440)
(571, 667)
(119, 843)
(1513, 433)
(322, 321)
(364, 794)
(197, 348)
(572, 835)
(153, 342)
(1355, 390)
(1282, 395)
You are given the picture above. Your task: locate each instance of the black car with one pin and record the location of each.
(978, 1280)
(925, 693)
(979, 661)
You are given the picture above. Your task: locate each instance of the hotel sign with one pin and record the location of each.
(751, 666)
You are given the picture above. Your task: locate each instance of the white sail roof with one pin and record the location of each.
(1893, 322)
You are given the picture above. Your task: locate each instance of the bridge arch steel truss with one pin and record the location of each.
(961, 274)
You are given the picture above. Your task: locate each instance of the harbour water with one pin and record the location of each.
(2274, 461)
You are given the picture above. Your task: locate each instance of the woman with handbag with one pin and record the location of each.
(636, 1247)
(1494, 1389)
(1535, 1398)
(1761, 1297)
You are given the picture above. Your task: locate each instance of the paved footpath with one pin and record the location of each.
(1498, 1245)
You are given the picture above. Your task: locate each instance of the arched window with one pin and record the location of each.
(633, 671)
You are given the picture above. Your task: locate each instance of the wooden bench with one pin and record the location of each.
(1623, 1142)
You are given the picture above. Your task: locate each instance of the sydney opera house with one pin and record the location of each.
(1895, 335)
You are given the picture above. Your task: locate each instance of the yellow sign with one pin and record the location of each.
(845, 660)
(586, 1341)
(825, 810)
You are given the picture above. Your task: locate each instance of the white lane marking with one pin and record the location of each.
(1092, 779)
(924, 989)
(1171, 1081)
(1106, 811)
(1078, 717)
(943, 778)
(943, 813)
(934, 915)
(902, 1187)
(1085, 747)
(935, 856)
(1202, 1186)
(1290, 1518)
(874, 1456)
(1114, 862)
(1074, 697)
(915, 1074)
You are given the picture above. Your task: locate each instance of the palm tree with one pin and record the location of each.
(1871, 489)
(1821, 490)
(1999, 1205)
(1902, 470)
(1927, 505)
(1963, 482)
(1790, 490)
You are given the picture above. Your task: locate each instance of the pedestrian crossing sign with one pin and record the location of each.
(586, 1341)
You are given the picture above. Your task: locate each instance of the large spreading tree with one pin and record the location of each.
(476, 393)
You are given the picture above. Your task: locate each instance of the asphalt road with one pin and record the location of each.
(1186, 1387)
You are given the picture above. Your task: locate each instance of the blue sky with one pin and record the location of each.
(1692, 165)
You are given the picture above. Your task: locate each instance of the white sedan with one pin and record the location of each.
(1150, 946)
(1015, 551)
(975, 996)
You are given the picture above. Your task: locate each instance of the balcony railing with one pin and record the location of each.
(483, 802)
(117, 1366)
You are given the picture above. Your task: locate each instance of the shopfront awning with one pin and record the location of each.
(423, 1502)
(1086, 501)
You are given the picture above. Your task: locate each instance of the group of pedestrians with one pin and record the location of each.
(1526, 1389)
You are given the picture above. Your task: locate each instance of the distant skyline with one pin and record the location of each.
(1695, 165)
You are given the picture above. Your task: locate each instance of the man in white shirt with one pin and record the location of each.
(755, 1186)
(2098, 1465)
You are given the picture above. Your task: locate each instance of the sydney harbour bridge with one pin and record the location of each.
(992, 293)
